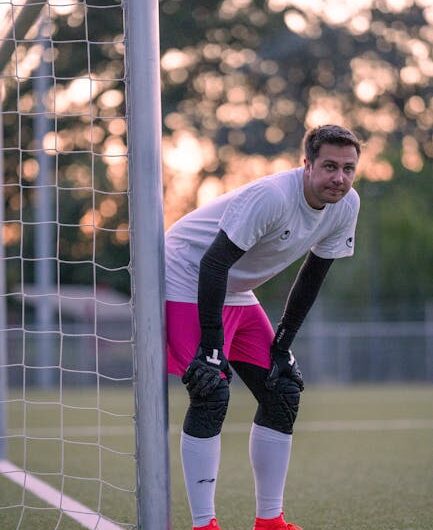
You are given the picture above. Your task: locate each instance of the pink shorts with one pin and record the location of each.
(248, 334)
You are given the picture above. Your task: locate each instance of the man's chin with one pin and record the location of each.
(333, 200)
(333, 196)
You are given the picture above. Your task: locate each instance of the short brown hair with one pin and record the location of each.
(328, 134)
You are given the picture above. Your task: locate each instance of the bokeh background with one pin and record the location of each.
(241, 82)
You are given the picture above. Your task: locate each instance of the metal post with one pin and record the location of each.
(16, 30)
(428, 323)
(318, 343)
(374, 344)
(3, 320)
(44, 270)
(147, 255)
(25, 16)
(29, 12)
(344, 358)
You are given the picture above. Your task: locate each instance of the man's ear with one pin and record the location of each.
(307, 165)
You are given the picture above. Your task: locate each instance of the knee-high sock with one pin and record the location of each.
(269, 456)
(200, 461)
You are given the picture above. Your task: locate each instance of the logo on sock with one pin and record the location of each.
(210, 480)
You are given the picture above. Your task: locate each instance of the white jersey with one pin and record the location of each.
(268, 218)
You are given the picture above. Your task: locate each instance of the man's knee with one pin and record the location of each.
(278, 408)
(205, 416)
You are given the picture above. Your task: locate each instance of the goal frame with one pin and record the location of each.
(143, 94)
(147, 252)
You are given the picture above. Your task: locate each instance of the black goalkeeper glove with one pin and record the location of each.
(283, 362)
(203, 375)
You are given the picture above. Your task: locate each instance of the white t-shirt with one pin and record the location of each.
(268, 218)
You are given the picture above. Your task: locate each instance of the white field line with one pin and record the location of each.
(70, 507)
(403, 424)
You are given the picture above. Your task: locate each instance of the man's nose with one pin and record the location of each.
(338, 176)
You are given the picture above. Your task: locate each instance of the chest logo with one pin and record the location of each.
(285, 235)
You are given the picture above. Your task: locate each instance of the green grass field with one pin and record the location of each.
(362, 459)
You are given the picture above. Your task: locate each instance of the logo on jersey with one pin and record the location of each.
(285, 235)
(349, 242)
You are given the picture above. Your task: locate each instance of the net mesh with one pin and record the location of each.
(67, 355)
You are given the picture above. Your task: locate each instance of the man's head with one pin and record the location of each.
(331, 157)
(328, 134)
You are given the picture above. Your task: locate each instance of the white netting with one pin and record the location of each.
(67, 447)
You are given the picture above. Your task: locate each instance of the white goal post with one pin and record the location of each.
(144, 126)
(140, 195)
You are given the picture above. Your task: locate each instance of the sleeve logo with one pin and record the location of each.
(349, 242)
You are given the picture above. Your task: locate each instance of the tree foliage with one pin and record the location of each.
(241, 82)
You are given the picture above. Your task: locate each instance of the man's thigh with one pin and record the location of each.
(183, 335)
(248, 334)
(253, 336)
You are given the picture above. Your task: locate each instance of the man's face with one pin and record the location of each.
(330, 176)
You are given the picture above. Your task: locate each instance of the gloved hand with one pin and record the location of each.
(283, 363)
(203, 375)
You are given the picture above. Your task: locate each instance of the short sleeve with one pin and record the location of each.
(341, 242)
(251, 214)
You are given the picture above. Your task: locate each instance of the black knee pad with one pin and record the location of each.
(278, 408)
(205, 416)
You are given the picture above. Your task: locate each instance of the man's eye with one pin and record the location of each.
(330, 167)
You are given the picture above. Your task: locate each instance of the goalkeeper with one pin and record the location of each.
(215, 257)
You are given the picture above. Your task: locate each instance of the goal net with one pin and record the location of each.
(68, 452)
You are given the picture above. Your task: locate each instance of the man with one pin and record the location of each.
(216, 255)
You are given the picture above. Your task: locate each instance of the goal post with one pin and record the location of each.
(143, 194)
(16, 30)
(144, 141)
(19, 27)
(3, 318)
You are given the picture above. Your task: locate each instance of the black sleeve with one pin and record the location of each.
(302, 295)
(212, 286)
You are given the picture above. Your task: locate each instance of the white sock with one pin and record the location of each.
(200, 461)
(269, 456)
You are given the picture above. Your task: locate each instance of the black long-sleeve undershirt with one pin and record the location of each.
(212, 287)
(302, 295)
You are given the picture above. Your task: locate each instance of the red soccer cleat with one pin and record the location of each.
(278, 523)
(213, 525)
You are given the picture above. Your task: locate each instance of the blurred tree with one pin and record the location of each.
(87, 141)
(242, 80)
(250, 76)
